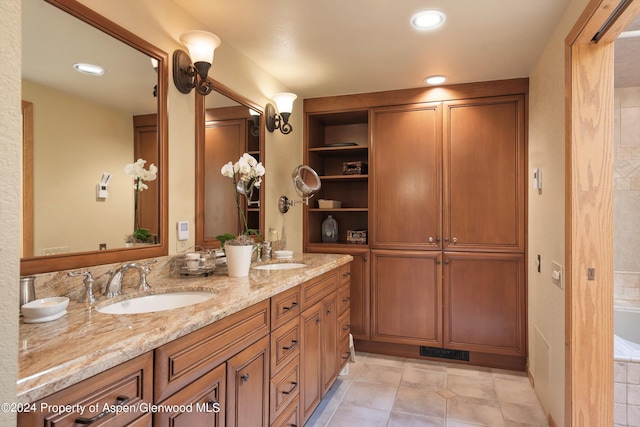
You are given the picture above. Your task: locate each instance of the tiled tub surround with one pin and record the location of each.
(55, 355)
(627, 365)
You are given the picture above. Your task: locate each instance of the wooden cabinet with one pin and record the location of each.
(406, 177)
(446, 176)
(485, 303)
(205, 398)
(484, 174)
(129, 384)
(320, 339)
(248, 386)
(407, 297)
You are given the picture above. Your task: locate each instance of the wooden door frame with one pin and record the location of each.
(589, 213)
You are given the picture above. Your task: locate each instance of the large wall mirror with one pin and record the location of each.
(225, 130)
(79, 127)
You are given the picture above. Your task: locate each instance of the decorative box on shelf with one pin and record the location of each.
(354, 168)
(357, 237)
(329, 204)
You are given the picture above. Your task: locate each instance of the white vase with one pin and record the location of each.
(238, 260)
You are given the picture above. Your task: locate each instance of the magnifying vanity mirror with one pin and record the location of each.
(80, 131)
(306, 182)
(227, 126)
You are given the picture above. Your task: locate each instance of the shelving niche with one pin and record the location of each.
(326, 150)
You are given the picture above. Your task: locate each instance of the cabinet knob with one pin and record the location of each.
(454, 240)
(430, 239)
(244, 377)
(446, 261)
(437, 261)
(318, 321)
(446, 239)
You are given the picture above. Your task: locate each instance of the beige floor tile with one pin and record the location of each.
(451, 423)
(349, 415)
(423, 379)
(420, 402)
(476, 371)
(374, 396)
(515, 392)
(379, 374)
(480, 387)
(517, 415)
(475, 411)
(426, 364)
(382, 359)
(329, 405)
(397, 419)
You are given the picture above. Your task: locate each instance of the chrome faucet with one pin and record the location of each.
(113, 287)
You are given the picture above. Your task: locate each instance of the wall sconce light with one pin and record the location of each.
(190, 71)
(255, 116)
(284, 104)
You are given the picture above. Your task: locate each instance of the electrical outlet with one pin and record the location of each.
(181, 245)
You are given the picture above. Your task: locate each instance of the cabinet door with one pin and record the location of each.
(310, 360)
(484, 178)
(248, 386)
(329, 326)
(205, 398)
(406, 176)
(484, 297)
(406, 297)
(360, 296)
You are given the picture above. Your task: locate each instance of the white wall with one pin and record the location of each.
(546, 217)
(10, 160)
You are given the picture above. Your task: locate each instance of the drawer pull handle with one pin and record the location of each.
(293, 387)
(294, 343)
(346, 355)
(293, 305)
(120, 401)
(211, 404)
(347, 299)
(244, 377)
(346, 274)
(346, 328)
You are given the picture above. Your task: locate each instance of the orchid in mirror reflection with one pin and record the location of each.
(140, 174)
(246, 174)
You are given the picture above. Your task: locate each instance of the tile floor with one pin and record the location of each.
(386, 391)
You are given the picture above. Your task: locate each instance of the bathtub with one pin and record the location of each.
(626, 327)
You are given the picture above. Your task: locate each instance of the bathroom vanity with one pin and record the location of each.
(262, 352)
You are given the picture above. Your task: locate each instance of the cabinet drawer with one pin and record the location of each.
(285, 344)
(284, 388)
(344, 327)
(344, 298)
(344, 273)
(201, 403)
(290, 416)
(317, 288)
(285, 306)
(181, 361)
(125, 385)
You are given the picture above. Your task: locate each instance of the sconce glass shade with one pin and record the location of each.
(284, 101)
(201, 45)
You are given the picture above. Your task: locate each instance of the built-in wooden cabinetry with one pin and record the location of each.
(268, 365)
(445, 194)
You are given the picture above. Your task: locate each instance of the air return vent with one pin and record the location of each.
(443, 353)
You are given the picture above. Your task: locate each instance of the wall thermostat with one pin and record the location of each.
(183, 230)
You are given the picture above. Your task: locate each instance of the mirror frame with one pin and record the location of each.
(51, 263)
(200, 139)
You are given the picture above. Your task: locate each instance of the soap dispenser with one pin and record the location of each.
(329, 230)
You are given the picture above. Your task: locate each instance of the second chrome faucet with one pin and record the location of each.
(113, 287)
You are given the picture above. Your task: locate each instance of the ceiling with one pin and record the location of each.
(334, 47)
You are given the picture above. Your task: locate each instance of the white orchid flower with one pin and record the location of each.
(228, 170)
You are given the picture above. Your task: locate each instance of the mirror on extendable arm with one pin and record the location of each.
(306, 182)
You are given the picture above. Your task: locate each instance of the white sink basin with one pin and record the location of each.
(157, 302)
(280, 266)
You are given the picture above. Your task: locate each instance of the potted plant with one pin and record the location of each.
(140, 174)
(246, 174)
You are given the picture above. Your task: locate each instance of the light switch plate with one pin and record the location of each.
(557, 274)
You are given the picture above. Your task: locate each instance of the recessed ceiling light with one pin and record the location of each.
(435, 80)
(428, 19)
(94, 70)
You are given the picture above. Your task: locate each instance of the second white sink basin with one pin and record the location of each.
(280, 266)
(156, 302)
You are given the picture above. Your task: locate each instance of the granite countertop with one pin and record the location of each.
(84, 342)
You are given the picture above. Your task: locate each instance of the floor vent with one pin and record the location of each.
(443, 353)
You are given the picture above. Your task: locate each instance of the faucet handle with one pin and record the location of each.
(144, 270)
(88, 297)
